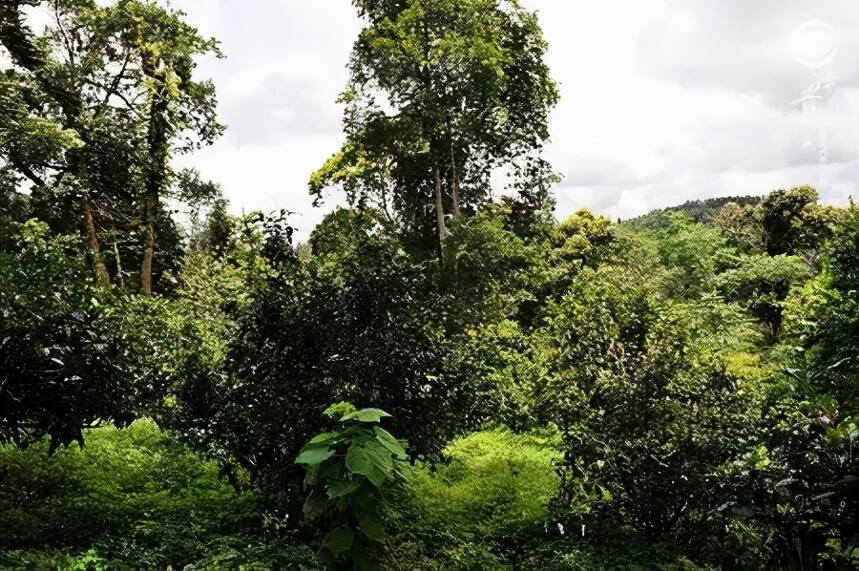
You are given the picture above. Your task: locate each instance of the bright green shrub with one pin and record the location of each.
(689, 251)
(501, 356)
(618, 554)
(89, 560)
(489, 497)
(761, 283)
(136, 495)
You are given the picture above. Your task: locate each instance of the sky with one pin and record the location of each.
(661, 101)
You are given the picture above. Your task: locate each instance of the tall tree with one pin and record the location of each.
(795, 223)
(442, 94)
(41, 87)
(93, 109)
(180, 110)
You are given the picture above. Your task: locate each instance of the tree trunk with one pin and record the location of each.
(157, 138)
(439, 209)
(457, 213)
(148, 251)
(118, 264)
(101, 275)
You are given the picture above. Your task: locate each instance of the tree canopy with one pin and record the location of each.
(442, 95)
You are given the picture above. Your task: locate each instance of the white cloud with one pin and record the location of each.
(669, 101)
(285, 65)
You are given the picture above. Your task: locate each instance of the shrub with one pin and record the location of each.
(491, 496)
(348, 471)
(135, 494)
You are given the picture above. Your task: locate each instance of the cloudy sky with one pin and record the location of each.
(662, 101)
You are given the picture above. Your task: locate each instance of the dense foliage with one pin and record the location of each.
(64, 344)
(677, 415)
(677, 391)
(130, 496)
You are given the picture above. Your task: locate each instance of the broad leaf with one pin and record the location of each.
(314, 456)
(370, 460)
(313, 507)
(366, 415)
(339, 408)
(338, 540)
(342, 488)
(323, 438)
(387, 440)
(371, 526)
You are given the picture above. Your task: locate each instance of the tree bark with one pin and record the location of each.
(439, 209)
(148, 252)
(118, 265)
(101, 275)
(457, 213)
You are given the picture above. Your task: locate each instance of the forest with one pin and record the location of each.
(443, 375)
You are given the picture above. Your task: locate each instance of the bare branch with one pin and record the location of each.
(66, 39)
(112, 90)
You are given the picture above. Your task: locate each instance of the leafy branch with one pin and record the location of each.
(347, 472)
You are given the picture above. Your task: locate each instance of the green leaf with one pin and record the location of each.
(606, 495)
(311, 475)
(366, 415)
(358, 462)
(338, 540)
(340, 488)
(314, 507)
(387, 440)
(370, 460)
(323, 438)
(371, 526)
(314, 456)
(339, 408)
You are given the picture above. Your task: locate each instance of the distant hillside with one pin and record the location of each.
(699, 210)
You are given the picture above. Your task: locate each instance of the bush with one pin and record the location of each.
(363, 324)
(135, 495)
(761, 283)
(348, 473)
(62, 368)
(490, 497)
(646, 408)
